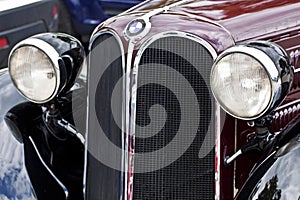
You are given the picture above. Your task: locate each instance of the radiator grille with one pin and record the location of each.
(173, 75)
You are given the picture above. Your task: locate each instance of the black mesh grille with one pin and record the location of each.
(105, 90)
(174, 117)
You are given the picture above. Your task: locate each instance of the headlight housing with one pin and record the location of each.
(43, 65)
(250, 80)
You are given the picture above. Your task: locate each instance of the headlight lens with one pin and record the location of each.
(250, 80)
(33, 72)
(241, 85)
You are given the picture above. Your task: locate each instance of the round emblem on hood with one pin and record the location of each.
(135, 27)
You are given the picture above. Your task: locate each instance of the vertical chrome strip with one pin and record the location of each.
(218, 151)
(48, 169)
(123, 142)
(129, 124)
(235, 150)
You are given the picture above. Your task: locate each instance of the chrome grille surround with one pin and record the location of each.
(156, 194)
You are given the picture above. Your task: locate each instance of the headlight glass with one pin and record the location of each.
(241, 85)
(33, 73)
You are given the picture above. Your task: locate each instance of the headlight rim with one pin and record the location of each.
(268, 65)
(51, 54)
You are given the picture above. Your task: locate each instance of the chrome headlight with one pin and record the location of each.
(35, 73)
(38, 65)
(249, 80)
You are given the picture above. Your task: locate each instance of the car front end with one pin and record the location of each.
(182, 100)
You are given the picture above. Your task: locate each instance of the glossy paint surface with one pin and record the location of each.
(282, 178)
(248, 19)
(277, 177)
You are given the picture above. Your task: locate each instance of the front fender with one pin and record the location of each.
(54, 167)
(21, 168)
(281, 181)
(277, 177)
(14, 182)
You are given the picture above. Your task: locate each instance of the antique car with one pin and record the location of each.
(175, 99)
(16, 24)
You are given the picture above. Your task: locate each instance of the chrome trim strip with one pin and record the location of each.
(287, 105)
(235, 150)
(48, 169)
(124, 154)
(218, 150)
(50, 52)
(130, 96)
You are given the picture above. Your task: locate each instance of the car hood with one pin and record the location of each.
(243, 19)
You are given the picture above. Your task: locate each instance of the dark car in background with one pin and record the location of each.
(21, 19)
(80, 17)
